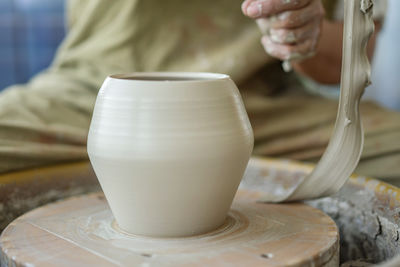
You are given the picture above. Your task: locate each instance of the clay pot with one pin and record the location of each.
(169, 150)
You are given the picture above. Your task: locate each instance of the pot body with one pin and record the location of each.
(169, 150)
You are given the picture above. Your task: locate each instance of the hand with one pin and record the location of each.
(291, 28)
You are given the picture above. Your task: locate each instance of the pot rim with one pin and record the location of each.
(170, 77)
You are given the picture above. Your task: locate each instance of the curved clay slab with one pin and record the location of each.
(345, 146)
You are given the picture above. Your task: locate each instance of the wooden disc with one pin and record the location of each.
(81, 231)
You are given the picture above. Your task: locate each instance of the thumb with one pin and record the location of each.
(245, 5)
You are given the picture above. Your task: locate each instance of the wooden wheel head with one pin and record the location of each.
(80, 231)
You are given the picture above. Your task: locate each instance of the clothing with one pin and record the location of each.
(46, 120)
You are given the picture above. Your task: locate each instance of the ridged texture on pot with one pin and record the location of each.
(169, 155)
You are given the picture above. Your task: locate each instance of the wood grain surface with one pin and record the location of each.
(81, 231)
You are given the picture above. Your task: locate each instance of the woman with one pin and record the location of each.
(46, 120)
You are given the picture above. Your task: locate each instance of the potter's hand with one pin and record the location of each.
(291, 28)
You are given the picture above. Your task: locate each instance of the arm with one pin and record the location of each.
(297, 29)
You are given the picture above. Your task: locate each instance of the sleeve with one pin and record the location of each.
(46, 120)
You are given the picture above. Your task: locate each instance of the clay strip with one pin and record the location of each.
(345, 146)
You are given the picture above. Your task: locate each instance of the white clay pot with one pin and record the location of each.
(169, 150)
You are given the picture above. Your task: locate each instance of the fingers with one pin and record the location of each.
(296, 35)
(293, 19)
(267, 8)
(291, 34)
(297, 18)
(285, 51)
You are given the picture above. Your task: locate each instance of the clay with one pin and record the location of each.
(344, 150)
(169, 150)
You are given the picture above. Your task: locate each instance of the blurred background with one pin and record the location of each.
(386, 64)
(31, 30)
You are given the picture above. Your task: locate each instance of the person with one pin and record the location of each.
(46, 120)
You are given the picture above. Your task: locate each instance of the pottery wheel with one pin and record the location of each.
(81, 231)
